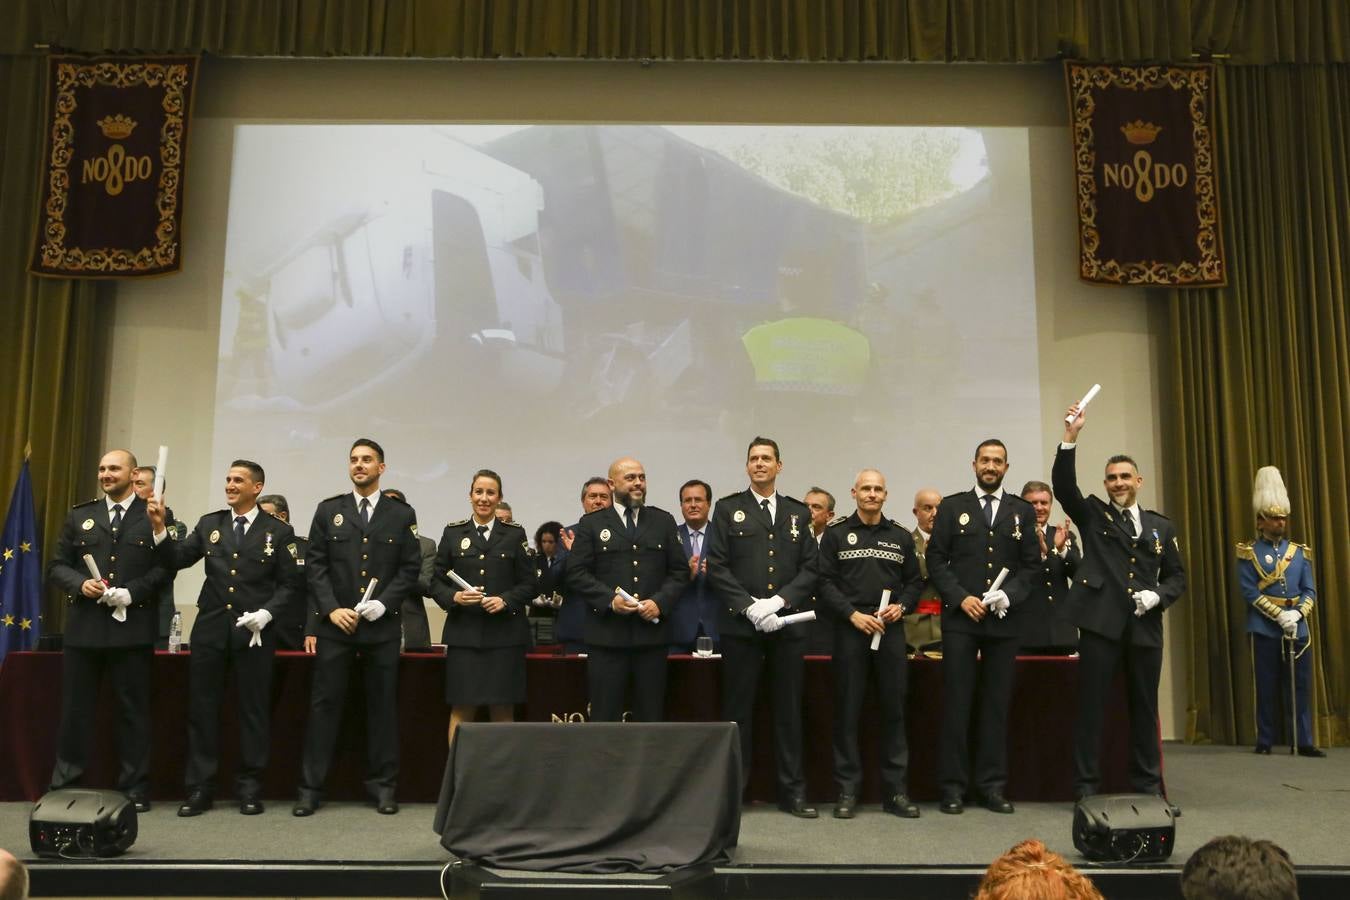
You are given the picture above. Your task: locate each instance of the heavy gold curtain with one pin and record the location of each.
(1260, 367)
(1263, 377)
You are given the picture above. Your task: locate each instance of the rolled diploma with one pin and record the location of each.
(454, 576)
(370, 589)
(1082, 404)
(1002, 574)
(159, 472)
(794, 618)
(92, 566)
(885, 602)
(633, 600)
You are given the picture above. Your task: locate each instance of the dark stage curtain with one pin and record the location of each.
(1281, 138)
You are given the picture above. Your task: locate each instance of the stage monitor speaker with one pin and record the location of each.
(1124, 828)
(80, 823)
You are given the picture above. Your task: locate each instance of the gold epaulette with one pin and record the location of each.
(1245, 550)
(1307, 552)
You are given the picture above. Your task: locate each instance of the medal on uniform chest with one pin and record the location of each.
(1017, 527)
(1270, 560)
(604, 535)
(852, 539)
(215, 537)
(87, 525)
(739, 516)
(267, 544)
(337, 520)
(965, 519)
(1157, 543)
(795, 532)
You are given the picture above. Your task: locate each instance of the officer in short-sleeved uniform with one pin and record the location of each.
(241, 577)
(96, 645)
(857, 562)
(344, 555)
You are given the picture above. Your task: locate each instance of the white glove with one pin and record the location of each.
(119, 599)
(370, 610)
(764, 606)
(1288, 620)
(255, 622)
(1144, 601)
(997, 602)
(769, 624)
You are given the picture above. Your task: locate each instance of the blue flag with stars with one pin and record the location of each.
(20, 571)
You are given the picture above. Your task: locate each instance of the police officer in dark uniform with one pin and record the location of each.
(289, 627)
(762, 562)
(635, 547)
(143, 483)
(357, 538)
(250, 568)
(1045, 631)
(975, 535)
(1131, 573)
(860, 557)
(486, 630)
(110, 625)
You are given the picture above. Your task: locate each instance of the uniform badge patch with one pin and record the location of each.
(464, 544)
(215, 537)
(337, 519)
(852, 539)
(604, 534)
(1270, 560)
(413, 529)
(965, 519)
(294, 551)
(87, 524)
(739, 516)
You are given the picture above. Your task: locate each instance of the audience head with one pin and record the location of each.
(821, 504)
(1031, 871)
(143, 481)
(1039, 495)
(275, 505)
(1239, 868)
(695, 502)
(926, 502)
(548, 538)
(596, 494)
(13, 877)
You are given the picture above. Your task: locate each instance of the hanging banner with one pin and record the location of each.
(113, 180)
(1146, 187)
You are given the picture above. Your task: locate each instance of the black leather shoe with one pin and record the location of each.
(198, 802)
(847, 807)
(250, 806)
(1263, 749)
(1314, 752)
(994, 801)
(385, 804)
(952, 805)
(900, 805)
(139, 802)
(797, 807)
(305, 805)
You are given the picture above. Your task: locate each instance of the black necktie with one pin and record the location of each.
(482, 533)
(989, 510)
(117, 517)
(631, 518)
(1129, 523)
(764, 504)
(239, 523)
(365, 511)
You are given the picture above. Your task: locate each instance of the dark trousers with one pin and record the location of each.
(962, 673)
(611, 670)
(854, 663)
(1271, 667)
(208, 670)
(743, 659)
(128, 671)
(1097, 662)
(328, 693)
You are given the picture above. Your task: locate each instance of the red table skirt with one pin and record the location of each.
(1040, 739)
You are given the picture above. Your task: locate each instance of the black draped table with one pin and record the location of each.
(601, 799)
(1040, 739)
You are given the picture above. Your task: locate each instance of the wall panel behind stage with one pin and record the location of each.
(169, 333)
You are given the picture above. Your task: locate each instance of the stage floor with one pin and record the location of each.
(1300, 803)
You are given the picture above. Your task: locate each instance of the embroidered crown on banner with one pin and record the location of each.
(1140, 132)
(116, 127)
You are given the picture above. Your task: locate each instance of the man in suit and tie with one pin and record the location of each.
(696, 614)
(250, 568)
(762, 562)
(110, 625)
(358, 538)
(416, 630)
(976, 534)
(1045, 631)
(635, 547)
(570, 626)
(1131, 572)
(923, 627)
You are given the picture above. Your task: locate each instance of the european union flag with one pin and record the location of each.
(20, 571)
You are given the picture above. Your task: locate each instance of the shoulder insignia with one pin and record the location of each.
(1154, 512)
(954, 496)
(512, 525)
(1307, 552)
(792, 499)
(837, 520)
(336, 496)
(274, 515)
(731, 496)
(85, 503)
(1245, 551)
(457, 523)
(393, 497)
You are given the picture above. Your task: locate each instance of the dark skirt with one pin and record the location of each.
(490, 675)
